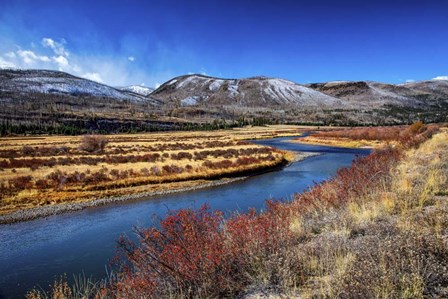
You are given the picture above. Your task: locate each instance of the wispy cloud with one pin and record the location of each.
(30, 58)
(52, 54)
(57, 47)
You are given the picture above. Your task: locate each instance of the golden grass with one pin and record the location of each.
(414, 204)
(142, 180)
(341, 142)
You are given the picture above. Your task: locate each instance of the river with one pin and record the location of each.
(35, 252)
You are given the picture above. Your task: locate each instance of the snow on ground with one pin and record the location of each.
(284, 91)
(233, 88)
(67, 85)
(191, 79)
(190, 101)
(215, 85)
(142, 90)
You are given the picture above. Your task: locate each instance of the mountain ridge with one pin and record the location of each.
(51, 98)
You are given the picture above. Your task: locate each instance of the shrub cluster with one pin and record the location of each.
(406, 135)
(93, 143)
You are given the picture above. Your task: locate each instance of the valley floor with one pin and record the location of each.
(45, 175)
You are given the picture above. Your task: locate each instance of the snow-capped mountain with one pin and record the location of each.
(138, 89)
(60, 83)
(376, 94)
(198, 90)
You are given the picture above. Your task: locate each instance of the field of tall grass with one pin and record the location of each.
(49, 170)
(377, 229)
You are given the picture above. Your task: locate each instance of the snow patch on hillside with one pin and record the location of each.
(233, 88)
(190, 101)
(138, 89)
(284, 91)
(215, 85)
(192, 79)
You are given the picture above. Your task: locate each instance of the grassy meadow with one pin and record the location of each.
(47, 170)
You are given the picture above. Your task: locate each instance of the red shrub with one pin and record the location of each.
(20, 183)
(187, 253)
(42, 184)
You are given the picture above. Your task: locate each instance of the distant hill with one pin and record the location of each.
(55, 102)
(424, 94)
(259, 92)
(59, 83)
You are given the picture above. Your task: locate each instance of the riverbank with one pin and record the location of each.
(340, 142)
(366, 137)
(51, 170)
(176, 187)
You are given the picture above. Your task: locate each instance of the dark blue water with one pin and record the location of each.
(35, 252)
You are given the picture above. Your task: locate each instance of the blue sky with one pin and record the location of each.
(148, 42)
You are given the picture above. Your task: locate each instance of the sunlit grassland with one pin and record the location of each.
(48, 170)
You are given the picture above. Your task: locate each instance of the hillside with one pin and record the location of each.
(37, 101)
(424, 94)
(59, 83)
(42, 101)
(257, 92)
(342, 102)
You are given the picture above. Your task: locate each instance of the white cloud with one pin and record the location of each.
(106, 68)
(410, 81)
(61, 61)
(6, 64)
(440, 78)
(29, 57)
(57, 48)
(93, 76)
(157, 85)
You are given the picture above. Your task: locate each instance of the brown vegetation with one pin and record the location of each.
(372, 136)
(37, 171)
(93, 143)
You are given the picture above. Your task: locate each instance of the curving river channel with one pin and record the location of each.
(35, 252)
